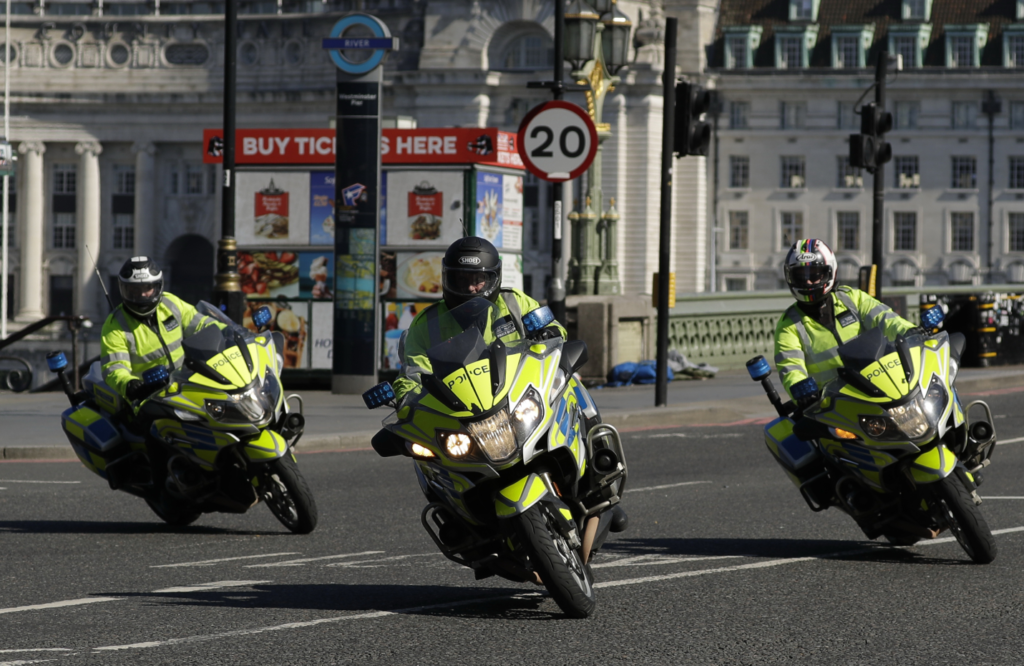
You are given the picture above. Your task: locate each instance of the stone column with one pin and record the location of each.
(88, 229)
(145, 197)
(32, 205)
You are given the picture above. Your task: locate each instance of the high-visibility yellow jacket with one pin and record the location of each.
(804, 348)
(129, 346)
(425, 332)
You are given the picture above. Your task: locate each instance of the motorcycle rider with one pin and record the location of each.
(471, 268)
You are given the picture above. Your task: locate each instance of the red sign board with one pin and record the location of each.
(449, 145)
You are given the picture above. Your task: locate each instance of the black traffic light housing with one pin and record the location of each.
(869, 149)
(692, 135)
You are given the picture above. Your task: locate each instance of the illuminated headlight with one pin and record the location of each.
(876, 426)
(911, 418)
(527, 415)
(421, 451)
(457, 444)
(494, 436)
(245, 407)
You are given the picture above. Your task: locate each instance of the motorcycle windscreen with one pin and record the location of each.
(879, 368)
(223, 355)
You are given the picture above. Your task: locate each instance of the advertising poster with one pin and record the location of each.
(511, 271)
(321, 208)
(291, 319)
(269, 274)
(356, 279)
(424, 208)
(271, 208)
(512, 212)
(418, 275)
(397, 319)
(488, 207)
(322, 336)
(316, 275)
(388, 269)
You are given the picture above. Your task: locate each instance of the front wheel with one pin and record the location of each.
(288, 497)
(559, 565)
(964, 519)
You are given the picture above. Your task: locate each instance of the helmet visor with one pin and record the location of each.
(142, 293)
(464, 282)
(809, 277)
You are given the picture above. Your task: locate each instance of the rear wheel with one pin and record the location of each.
(964, 519)
(559, 565)
(288, 497)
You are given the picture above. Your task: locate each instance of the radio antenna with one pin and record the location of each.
(96, 268)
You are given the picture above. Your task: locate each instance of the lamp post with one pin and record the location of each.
(597, 45)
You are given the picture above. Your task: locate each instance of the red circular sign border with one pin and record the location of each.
(557, 104)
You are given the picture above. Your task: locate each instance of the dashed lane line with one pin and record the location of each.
(670, 485)
(59, 604)
(204, 587)
(56, 482)
(296, 563)
(1015, 440)
(989, 497)
(369, 564)
(210, 563)
(657, 560)
(20, 662)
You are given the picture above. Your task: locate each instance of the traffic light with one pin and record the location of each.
(869, 148)
(692, 135)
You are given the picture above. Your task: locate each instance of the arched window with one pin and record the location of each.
(521, 46)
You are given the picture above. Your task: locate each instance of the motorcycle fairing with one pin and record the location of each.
(516, 498)
(90, 434)
(203, 443)
(268, 446)
(448, 484)
(933, 465)
(566, 428)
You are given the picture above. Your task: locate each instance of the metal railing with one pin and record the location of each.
(23, 378)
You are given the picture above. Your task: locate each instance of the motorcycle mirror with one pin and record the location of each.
(378, 396)
(932, 317)
(758, 368)
(538, 319)
(261, 317)
(56, 361)
(157, 375)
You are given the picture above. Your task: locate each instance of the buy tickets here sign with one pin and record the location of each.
(455, 145)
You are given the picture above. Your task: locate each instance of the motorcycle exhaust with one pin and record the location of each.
(605, 461)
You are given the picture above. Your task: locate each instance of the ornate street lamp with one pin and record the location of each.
(580, 28)
(615, 40)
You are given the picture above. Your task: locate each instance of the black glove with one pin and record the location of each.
(547, 333)
(136, 390)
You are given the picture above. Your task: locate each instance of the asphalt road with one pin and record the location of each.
(722, 564)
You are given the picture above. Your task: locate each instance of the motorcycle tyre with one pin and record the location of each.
(305, 516)
(173, 511)
(561, 582)
(965, 520)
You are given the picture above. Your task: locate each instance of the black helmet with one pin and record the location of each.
(142, 284)
(471, 269)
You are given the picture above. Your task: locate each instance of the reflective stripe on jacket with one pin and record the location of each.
(425, 332)
(129, 347)
(804, 348)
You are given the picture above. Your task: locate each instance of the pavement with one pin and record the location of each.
(31, 430)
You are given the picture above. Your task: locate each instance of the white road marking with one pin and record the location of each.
(989, 497)
(210, 563)
(683, 435)
(203, 587)
(370, 564)
(651, 560)
(36, 650)
(59, 604)
(296, 563)
(931, 542)
(670, 485)
(22, 661)
(19, 481)
(1015, 440)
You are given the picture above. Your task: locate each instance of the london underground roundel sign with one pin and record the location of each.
(557, 141)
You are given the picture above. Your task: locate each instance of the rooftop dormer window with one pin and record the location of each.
(793, 46)
(910, 42)
(803, 10)
(740, 44)
(964, 44)
(850, 44)
(916, 10)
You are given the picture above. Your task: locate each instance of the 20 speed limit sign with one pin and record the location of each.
(557, 141)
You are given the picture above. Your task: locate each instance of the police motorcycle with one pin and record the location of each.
(225, 427)
(520, 475)
(888, 441)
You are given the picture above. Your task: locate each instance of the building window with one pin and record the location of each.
(1016, 232)
(847, 177)
(1017, 115)
(915, 10)
(907, 173)
(63, 231)
(904, 232)
(194, 179)
(529, 52)
(124, 177)
(738, 112)
(848, 231)
(124, 231)
(791, 52)
(738, 229)
(906, 115)
(793, 172)
(739, 171)
(64, 176)
(792, 115)
(964, 44)
(737, 52)
(1014, 50)
(961, 232)
(735, 284)
(961, 51)
(964, 115)
(848, 117)
(62, 295)
(792, 229)
(905, 46)
(802, 10)
(965, 171)
(1016, 173)
(847, 51)
(64, 188)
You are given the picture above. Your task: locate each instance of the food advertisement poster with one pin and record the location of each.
(511, 270)
(322, 336)
(424, 208)
(291, 319)
(418, 275)
(488, 207)
(271, 207)
(397, 319)
(512, 212)
(321, 208)
(269, 274)
(316, 275)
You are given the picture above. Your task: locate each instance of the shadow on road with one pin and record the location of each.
(99, 527)
(502, 603)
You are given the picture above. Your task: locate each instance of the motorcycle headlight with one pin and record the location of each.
(457, 444)
(495, 437)
(527, 415)
(911, 418)
(248, 406)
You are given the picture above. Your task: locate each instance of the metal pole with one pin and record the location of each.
(7, 137)
(879, 185)
(991, 107)
(557, 297)
(665, 241)
(228, 291)
(716, 108)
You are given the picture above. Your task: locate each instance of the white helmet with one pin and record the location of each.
(810, 270)
(142, 284)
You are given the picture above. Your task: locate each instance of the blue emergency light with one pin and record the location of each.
(56, 361)
(538, 319)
